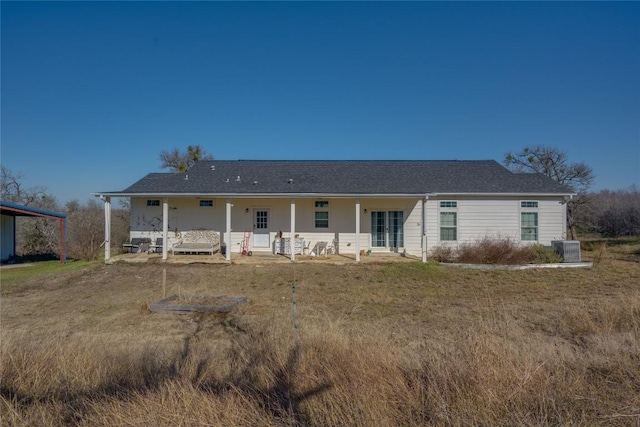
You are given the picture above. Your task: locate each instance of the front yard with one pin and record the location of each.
(369, 344)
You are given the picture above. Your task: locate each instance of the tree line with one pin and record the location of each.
(608, 213)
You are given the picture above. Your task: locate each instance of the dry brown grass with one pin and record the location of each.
(379, 345)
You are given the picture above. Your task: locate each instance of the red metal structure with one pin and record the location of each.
(14, 210)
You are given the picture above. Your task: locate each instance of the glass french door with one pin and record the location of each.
(378, 229)
(396, 229)
(387, 229)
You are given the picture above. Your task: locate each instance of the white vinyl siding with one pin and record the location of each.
(497, 217)
(413, 227)
(552, 221)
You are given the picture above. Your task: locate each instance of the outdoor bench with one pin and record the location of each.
(196, 242)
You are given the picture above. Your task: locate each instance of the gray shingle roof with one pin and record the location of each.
(364, 177)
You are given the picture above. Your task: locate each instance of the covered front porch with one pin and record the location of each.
(344, 228)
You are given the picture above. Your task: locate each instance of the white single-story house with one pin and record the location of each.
(345, 206)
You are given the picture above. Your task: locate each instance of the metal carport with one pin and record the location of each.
(12, 210)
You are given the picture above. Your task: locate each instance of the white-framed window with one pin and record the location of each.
(153, 202)
(321, 215)
(529, 226)
(529, 220)
(206, 203)
(448, 220)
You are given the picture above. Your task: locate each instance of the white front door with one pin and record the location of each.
(260, 228)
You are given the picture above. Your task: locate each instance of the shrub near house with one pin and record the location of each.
(496, 251)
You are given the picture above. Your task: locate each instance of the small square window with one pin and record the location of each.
(528, 204)
(448, 204)
(322, 203)
(153, 202)
(206, 203)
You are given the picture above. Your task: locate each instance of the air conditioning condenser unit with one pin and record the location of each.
(569, 250)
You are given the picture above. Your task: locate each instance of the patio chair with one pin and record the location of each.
(137, 244)
(157, 246)
(319, 248)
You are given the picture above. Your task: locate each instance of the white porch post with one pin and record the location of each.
(227, 234)
(424, 229)
(357, 230)
(293, 230)
(107, 228)
(165, 228)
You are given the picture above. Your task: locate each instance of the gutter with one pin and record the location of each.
(328, 195)
(260, 195)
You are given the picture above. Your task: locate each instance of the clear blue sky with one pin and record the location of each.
(93, 91)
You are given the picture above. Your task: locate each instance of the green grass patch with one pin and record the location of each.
(11, 276)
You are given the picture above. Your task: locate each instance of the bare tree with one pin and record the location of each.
(181, 161)
(85, 229)
(12, 190)
(554, 163)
